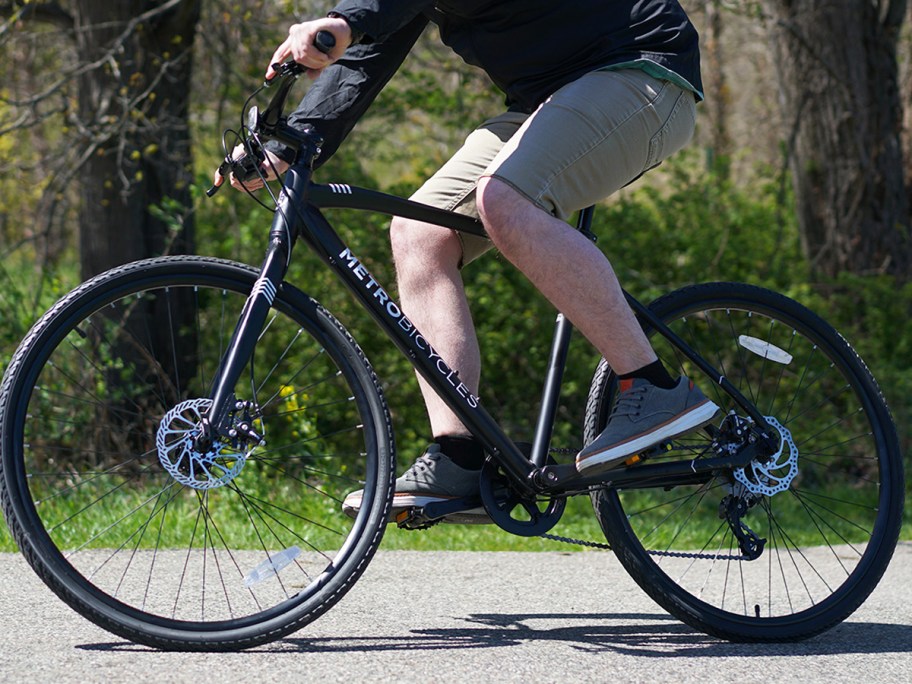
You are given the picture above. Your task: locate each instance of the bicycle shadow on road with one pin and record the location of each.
(636, 634)
(646, 635)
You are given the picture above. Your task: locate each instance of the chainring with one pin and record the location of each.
(513, 511)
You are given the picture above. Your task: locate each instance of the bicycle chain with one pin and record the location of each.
(607, 547)
(578, 542)
(666, 554)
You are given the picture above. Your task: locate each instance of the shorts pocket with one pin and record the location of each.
(677, 130)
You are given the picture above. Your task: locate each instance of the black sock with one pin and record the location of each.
(465, 451)
(655, 373)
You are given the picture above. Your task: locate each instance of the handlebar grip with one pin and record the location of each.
(325, 42)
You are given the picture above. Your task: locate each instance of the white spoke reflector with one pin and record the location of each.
(765, 349)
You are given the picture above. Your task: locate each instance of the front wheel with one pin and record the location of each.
(775, 551)
(129, 521)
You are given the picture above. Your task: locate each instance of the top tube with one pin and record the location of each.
(346, 196)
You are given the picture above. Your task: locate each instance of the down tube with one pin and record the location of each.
(388, 314)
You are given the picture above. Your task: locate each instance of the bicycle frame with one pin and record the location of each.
(299, 216)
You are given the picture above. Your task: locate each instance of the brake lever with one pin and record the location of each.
(289, 68)
(324, 41)
(224, 170)
(244, 169)
(248, 166)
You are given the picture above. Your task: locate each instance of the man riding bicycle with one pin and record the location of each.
(597, 93)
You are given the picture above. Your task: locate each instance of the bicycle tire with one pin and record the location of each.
(130, 531)
(829, 535)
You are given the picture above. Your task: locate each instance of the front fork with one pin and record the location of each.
(218, 421)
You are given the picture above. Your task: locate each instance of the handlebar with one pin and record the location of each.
(268, 123)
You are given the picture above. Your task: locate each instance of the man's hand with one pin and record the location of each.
(272, 168)
(300, 45)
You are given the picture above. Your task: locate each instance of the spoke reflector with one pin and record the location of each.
(271, 566)
(765, 349)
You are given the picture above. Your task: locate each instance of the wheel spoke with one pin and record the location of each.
(116, 485)
(828, 533)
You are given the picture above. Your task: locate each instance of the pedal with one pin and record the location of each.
(441, 509)
(414, 519)
(423, 517)
(658, 450)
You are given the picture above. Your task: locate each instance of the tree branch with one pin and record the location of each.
(44, 12)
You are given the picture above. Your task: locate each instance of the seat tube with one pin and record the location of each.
(557, 362)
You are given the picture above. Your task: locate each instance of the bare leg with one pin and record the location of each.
(569, 270)
(432, 296)
(565, 266)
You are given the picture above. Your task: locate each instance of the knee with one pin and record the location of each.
(419, 248)
(499, 207)
(489, 198)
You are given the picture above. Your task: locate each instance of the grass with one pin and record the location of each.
(578, 522)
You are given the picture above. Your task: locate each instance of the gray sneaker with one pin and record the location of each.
(644, 416)
(432, 477)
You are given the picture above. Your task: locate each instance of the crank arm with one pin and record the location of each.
(441, 509)
(419, 518)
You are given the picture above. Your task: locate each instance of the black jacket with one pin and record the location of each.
(529, 48)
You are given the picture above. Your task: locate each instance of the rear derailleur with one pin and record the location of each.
(732, 509)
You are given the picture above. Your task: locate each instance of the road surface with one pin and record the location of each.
(467, 617)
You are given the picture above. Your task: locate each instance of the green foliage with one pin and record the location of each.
(679, 225)
(25, 293)
(683, 225)
(874, 314)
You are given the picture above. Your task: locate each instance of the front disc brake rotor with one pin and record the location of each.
(176, 442)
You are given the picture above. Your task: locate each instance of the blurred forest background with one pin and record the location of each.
(111, 120)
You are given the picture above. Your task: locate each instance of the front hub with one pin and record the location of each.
(178, 440)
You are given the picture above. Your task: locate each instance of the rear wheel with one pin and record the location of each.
(136, 528)
(775, 551)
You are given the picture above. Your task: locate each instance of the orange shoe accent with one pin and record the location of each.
(626, 384)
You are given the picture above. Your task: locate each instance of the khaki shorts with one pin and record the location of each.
(588, 140)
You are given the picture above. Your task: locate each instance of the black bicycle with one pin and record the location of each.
(178, 436)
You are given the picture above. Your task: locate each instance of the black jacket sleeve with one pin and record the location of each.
(379, 20)
(344, 91)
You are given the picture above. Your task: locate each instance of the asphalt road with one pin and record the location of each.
(469, 617)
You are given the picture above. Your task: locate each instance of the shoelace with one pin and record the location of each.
(423, 462)
(630, 402)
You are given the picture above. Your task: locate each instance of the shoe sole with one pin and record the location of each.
(693, 419)
(473, 516)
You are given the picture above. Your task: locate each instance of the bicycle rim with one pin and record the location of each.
(828, 518)
(217, 554)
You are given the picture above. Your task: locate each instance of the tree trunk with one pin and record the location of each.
(906, 96)
(839, 85)
(133, 115)
(133, 112)
(718, 95)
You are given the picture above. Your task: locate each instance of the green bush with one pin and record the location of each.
(681, 225)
